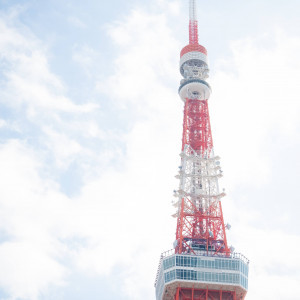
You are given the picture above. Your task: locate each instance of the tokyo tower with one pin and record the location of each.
(201, 266)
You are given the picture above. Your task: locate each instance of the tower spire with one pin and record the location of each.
(193, 24)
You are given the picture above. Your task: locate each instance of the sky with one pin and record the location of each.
(90, 136)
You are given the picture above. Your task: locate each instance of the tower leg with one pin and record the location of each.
(177, 293)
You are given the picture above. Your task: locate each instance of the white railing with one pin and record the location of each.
(233, 255)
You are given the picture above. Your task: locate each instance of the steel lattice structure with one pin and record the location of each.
(201, 265)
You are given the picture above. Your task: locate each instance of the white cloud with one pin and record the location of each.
(2, 123)
(36, 97)
(64, 148)
(172, 7)
(255, 113)
(258, 98)
(29, 256)
(76, 22)
(272, 269)
(28, 78)
(26, 270)
(148, 55)
(87, 58)
(89, 229)
(33, 209)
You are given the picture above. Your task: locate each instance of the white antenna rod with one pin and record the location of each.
(193, 10)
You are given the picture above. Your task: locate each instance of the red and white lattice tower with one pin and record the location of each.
(201, 265)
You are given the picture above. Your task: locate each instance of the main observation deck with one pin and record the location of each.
(204, 271)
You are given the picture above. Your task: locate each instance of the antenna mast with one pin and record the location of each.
(193, 24)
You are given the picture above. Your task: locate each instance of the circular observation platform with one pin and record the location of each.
(193, 54)
(194, 88)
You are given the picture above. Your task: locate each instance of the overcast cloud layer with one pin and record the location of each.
(89, 149)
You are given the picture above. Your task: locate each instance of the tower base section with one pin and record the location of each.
(205, 294)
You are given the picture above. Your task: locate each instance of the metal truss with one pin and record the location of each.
(206, 294)
(193, 26)
(200, 224)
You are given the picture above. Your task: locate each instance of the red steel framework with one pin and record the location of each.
(194, 222)
(196, 126)
(200, 232)
(205, 294)
(193, 32)
(205, 225)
